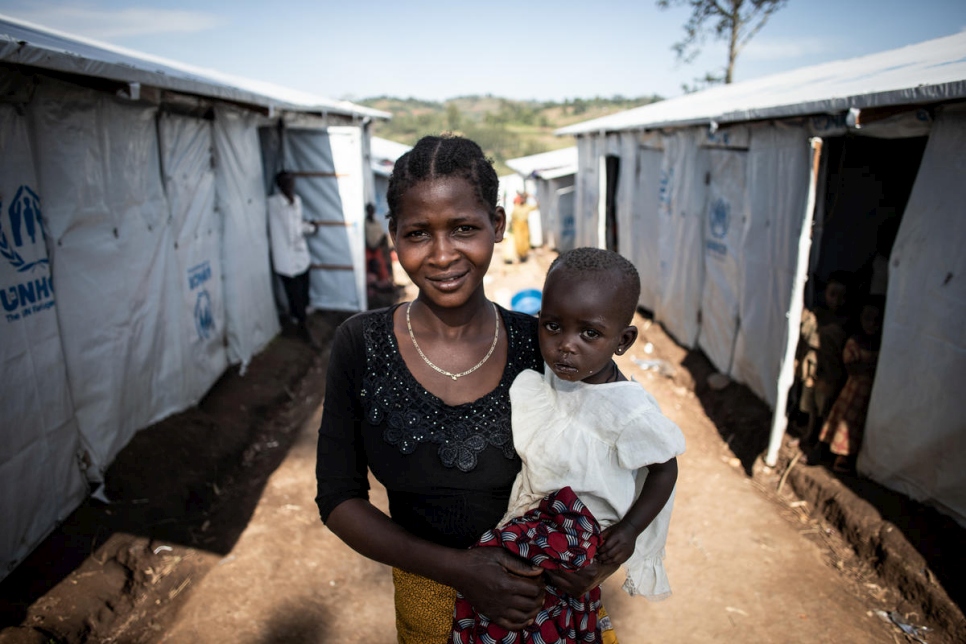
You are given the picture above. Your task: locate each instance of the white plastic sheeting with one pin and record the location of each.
(586, 194)
(724, 229)
(111, 252)
(915, 436)
(641, 241)
(926, 72)
(713, 230)
(329, 165)
(29, 44)
(778, 179)
(683, 194)
(40, 479)
(250, 320)
(189, 178)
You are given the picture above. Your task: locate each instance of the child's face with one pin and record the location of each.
(444, 239)
(835, 296)
(581, 326)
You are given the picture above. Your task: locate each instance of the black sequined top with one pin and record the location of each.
(448, 469)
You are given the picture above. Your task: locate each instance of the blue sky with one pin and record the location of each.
(523, 50)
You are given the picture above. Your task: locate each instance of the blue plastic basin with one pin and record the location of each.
(526, 301)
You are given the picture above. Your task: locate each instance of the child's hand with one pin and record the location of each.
(618, 546)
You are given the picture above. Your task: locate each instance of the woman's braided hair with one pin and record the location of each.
(439, 157)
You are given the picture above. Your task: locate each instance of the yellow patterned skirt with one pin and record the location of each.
(424, 611)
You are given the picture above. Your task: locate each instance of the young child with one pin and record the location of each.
(597, 452)
(846, 421)
(821, 342)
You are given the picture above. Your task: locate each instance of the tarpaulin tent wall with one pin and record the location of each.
(383, 155)
(134, 262)
(736, 190)
(915, 439)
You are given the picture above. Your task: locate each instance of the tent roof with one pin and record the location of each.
(547, 165)
(926, 72)
(383, 154)
(25, 43)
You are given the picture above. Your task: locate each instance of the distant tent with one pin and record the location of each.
(552, 177)
(383, 155)
(134, 259)
(736, 202)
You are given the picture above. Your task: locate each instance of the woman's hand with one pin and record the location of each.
(579, 582)
(505, 588)
(619, 541)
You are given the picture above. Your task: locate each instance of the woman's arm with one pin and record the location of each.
(505, 588)
(620, 538)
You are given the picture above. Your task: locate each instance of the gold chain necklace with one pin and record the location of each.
(454, 376)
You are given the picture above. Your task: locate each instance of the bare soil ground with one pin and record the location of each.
(211, 533)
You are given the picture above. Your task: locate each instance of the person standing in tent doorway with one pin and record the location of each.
(821, 370)
(290, 252)
(520, 225)
(378, 260)
(843, 430)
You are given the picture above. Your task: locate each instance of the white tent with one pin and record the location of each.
(552, 174)
(134, 261)
(713, 196)
(383, 157)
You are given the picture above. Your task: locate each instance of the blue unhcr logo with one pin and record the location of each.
(22, 245)
(204, 319)
(26, 229)
(664, 191)
(719, 222)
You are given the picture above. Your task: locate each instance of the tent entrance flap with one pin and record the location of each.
(868, 185)
(612, 171)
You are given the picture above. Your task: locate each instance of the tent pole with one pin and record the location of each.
(787, 373)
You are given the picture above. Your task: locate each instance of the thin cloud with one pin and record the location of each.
(784, 49)
(107, 24)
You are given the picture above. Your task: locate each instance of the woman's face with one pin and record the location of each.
(444, 239)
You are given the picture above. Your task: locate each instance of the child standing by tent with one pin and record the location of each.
(846, 422)
(597, 453)
(822, 340)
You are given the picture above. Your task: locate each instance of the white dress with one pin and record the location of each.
(599, 440)
(286, 232)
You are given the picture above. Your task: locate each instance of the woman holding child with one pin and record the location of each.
(418, 393)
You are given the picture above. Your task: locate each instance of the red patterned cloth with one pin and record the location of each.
(845, 425)
(559, 534)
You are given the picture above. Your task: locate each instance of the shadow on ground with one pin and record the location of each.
(189, 482)
(744, 421)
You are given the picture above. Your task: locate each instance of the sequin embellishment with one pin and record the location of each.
(414, 416)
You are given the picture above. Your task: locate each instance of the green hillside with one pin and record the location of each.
(505, 129)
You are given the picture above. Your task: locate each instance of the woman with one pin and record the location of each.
(419, 394)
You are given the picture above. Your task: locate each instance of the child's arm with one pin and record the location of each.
(619, 539)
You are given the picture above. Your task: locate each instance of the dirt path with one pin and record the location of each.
(246, 559)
